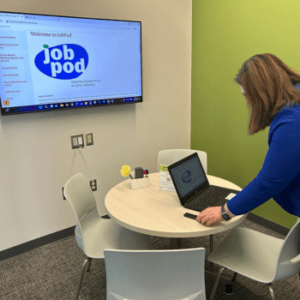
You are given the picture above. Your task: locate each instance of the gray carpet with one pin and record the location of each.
(52, 272)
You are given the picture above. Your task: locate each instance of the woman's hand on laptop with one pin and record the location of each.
(210, 216)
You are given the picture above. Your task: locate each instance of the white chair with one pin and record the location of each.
(258, 256)
(93, 234)
(155, 275)
(168, 157)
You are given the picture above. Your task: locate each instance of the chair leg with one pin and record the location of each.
(271, 291)
(228, 289)
(87, 260)
(89, 265)
(212, 295)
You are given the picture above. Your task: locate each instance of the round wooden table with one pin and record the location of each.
(159, 213)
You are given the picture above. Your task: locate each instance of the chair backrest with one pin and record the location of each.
(80, 197)
(155, 274)
(168, 157)
(288, 263)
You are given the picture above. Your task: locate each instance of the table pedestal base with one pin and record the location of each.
(175, 243)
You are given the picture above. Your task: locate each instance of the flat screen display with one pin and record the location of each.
(54, 62)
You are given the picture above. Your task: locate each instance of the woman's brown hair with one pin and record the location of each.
(269, 86)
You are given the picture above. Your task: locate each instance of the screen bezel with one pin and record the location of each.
(17, 110)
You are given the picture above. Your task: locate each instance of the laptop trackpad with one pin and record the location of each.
(220, 202)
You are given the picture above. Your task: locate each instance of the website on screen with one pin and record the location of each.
(46, 60)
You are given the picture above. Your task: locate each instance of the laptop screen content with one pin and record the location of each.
(188, 176)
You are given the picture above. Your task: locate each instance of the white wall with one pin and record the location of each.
(36, 158)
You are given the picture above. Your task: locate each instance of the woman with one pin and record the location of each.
(272, 91)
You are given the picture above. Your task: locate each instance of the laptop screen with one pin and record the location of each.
(188, 175)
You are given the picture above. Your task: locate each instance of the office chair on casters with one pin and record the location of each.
(93, 234)
(258, 256)
(168, 157)
(155, 274)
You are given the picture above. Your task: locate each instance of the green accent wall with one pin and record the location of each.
(225, 33)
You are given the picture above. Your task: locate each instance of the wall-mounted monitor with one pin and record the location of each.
(52, 63)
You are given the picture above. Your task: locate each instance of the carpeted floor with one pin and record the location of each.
(52, 272)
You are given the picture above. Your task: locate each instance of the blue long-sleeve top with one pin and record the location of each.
(279, 177)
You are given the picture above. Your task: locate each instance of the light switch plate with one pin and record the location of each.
(77, 141)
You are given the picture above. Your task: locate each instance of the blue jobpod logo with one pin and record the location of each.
(66, 61)
(187, 176)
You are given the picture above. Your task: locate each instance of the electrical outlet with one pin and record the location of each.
(93, 184)
(89, 139)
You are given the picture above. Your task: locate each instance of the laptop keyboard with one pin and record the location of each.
(208, 198)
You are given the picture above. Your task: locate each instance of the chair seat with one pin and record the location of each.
(249, 253)
(100, 234)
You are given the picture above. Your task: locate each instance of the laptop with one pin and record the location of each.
(192, 186)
